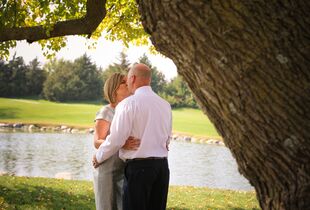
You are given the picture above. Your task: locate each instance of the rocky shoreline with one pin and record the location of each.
(43, 128)
(17, 127)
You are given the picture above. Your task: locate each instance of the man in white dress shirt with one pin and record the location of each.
(148, 117)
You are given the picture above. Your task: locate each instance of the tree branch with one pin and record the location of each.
(96, 12)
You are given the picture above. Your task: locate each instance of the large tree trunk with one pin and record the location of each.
(247, 63)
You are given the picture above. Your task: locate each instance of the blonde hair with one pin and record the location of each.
(111, 85)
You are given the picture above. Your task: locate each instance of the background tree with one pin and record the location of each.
(123, 63)
(18, 79)
(121, 66)
(59, 74)
(35, 77)
(89, 83)
(178, 94)
(245, 61)
(78, 80)
(4, 78)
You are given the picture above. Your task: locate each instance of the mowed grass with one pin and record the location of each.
(45, 193)
(193, 121)
(188, 121)
(46, 112)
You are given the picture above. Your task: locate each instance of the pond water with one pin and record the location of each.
(47, 154)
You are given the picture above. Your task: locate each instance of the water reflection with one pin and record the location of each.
(205, 165)
(47, 154)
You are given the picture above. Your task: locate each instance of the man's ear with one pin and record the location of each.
(134, 78)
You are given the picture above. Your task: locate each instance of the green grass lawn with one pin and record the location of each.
(189, 121)
(45, 112)
(45, 193)
(193, 121)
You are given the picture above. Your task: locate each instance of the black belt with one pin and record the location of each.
(147, 158)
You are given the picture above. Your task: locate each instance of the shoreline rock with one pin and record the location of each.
(199, 140)
(71, 129)
(41, 128)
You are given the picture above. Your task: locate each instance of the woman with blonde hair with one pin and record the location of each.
(108, 177)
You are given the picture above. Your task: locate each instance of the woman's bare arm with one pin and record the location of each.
(102, 128)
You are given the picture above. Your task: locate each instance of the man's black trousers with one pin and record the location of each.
(146, 184)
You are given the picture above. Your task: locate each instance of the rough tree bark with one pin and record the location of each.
(95, 13)
(247, 63)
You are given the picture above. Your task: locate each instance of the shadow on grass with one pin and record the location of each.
(33, 197)
(210, 207)
(8, 112)
(88, 102)
(92, 102)
(25, 97)
(183, 108)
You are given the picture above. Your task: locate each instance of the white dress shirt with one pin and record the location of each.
(145, 116)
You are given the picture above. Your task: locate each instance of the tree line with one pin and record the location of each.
(79, 80)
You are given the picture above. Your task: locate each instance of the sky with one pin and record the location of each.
(105, 53)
